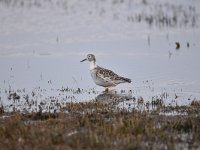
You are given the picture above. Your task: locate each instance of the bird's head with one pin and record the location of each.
(90, 57)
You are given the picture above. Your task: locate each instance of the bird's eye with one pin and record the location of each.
(89, 56)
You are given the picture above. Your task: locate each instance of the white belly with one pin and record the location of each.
(99, 81)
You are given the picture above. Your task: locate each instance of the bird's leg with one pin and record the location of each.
(106, 90)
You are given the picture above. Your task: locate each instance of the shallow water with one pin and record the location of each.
(42, 43)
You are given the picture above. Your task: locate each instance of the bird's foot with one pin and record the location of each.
(106, 90)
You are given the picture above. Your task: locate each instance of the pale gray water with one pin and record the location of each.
(42, 43)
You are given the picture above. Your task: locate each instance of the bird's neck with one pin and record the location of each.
(92, 65)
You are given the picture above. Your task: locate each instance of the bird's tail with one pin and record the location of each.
(126, 80)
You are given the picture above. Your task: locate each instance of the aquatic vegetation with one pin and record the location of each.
(153, 13)
(93, 125)
(195, 103)
(101, 124)
(177, 45)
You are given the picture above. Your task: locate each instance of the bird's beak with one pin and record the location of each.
(83, 60)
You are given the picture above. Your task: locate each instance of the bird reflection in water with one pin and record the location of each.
(113, 98)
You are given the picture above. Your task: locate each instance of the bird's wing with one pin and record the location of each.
(107, 75)
(110, 76)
